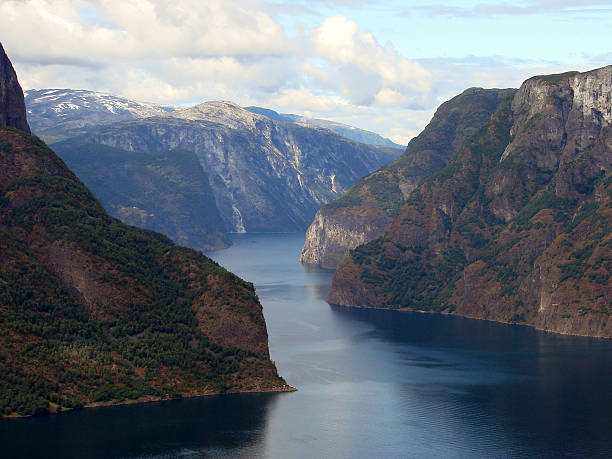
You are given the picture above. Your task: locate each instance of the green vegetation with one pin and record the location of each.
(165, 191)
(499, 239)
(556, 78)
(419, 280)
(546, 200)
(92, 310)
(412, 282)
(348, 199)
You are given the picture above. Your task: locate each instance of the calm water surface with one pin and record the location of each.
(371, 384)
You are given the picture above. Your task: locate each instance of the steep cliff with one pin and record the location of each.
(517, 227)
(96, 312)
(265, 175)
(12, 112)
(370, 205)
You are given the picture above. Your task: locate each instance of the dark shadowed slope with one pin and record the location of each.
(12, 106)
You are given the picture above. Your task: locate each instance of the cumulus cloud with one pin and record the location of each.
(187, 51)
(194, 28)
(69, 30)
(365, 71)
(307, 101)
(165, 52)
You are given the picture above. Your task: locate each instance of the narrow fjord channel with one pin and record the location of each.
(370, 384)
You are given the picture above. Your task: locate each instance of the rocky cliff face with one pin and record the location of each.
(517, 227)
(269, 180)
(265, 175)
(370, 205)
(12, 106)
(93, 311)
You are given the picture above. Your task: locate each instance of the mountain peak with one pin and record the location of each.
(217, 111)
(12, 105)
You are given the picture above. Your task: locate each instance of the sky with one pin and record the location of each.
(384, 66)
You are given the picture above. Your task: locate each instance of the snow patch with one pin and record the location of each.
(65, 106)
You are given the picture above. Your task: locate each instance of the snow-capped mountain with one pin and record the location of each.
(56, 114)
(265, 175)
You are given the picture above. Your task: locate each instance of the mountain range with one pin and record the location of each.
(265, 175)
(350, 132)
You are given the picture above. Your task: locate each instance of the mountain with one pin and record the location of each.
(516, 228)
(97, 312)
(12, 107)
(266, 175)
(57, 114)
(350, 132)
(164, 191)
(365, 210)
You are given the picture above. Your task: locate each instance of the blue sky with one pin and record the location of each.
(383, 66)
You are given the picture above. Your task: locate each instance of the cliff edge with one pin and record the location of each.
(12, 105)
(365, 210)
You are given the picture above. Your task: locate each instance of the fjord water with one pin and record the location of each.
(371, 384)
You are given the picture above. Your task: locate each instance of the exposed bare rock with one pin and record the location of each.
(12, 106)
(265, 175)
(371, 204)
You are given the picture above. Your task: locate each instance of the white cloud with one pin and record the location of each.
(305, 101)
(504, 8)
(389, 98)
(367, 72)
(187, 51)
(98, 33)
(195, 28)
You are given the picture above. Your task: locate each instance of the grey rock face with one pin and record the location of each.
(330, 236)
(12, 107)
(265, 175)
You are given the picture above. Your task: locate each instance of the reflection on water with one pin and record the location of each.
(371, 383)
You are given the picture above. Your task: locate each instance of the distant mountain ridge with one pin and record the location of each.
(266, 175)
(351, 132)
(61, 113)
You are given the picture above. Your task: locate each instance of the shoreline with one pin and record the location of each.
(420, 311)
(149, 399)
